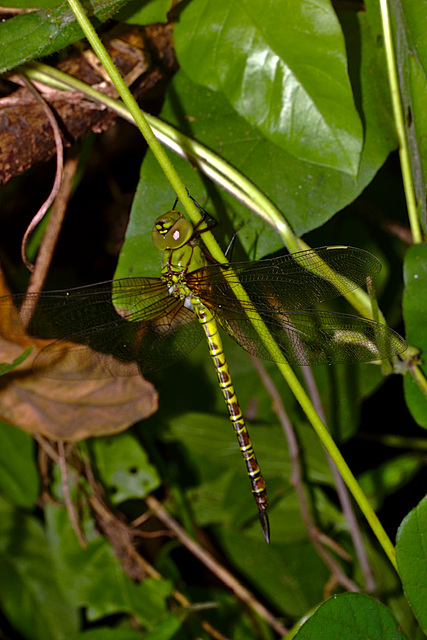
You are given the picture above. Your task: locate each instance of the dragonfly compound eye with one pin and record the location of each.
(171, 231)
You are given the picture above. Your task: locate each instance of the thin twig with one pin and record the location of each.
(59, 164)
(14, 11)
(342, 492)
(214, 633)
(44, 455)
(60, 459)
(49, 240)
(121, 537)
(217, 569)
(47, 447)
(297, 480)
(50, 237)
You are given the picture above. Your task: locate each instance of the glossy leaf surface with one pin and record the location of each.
(44, 31)
(351, 616)
(412, 560)
(282, 75)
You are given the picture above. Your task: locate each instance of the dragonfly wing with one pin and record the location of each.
(123, 347)
(57, 314)
(121, 327)
(293, 281)
(309, 337)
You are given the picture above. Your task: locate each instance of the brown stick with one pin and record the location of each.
(217, 569)
(297, 481)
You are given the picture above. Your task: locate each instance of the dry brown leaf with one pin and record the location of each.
(66, 409)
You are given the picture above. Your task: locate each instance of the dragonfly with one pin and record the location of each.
(147, 323)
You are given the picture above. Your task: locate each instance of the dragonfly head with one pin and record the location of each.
(171, 231)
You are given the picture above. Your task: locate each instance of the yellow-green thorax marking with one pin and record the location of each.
(174, 235)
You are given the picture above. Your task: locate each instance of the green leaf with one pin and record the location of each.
(19, 477)
(94, 578)
(6, 367)
(408, 19)
(415, 315)
(351, 616)
(388, 477)
(288, 77)
(31, 596)
(148, 12)
(211, 437)
(165, 630)
(220, 491)
(33, 4)
(411, 554)
(342, 388)
(292, 577)
(124, 467)
(389, 585)
(40, 33)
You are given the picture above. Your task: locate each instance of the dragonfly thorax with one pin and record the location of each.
(177, 263)
(177, 286)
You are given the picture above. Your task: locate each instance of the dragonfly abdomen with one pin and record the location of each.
(216, 351)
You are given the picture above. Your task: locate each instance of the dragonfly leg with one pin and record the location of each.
(229, 250)
(207, 218)
(254, 472)
(210, 224)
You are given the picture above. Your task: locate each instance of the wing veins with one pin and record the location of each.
(293, 281)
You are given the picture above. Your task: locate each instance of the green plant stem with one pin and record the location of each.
(135, 111)
(399, 120)
(338, 459)
(419, 378)
(285, 369)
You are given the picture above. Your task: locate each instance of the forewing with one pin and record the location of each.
(58, 314)
(294, 281)
(280, 290)
(122, 327)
